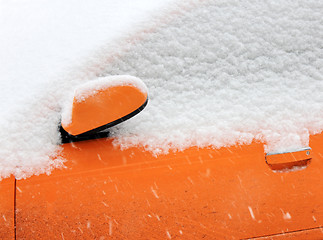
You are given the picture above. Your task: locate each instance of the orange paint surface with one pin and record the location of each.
(229, 193)
(100, 108)
(7, 187)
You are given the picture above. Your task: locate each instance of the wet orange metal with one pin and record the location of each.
(104, 107)
(229, 193)
(7, 198)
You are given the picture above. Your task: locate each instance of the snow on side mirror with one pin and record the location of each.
(101, 104)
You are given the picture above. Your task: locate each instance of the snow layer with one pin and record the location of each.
(229, 72)
(45, 46)
(218, 73)
(89, 88)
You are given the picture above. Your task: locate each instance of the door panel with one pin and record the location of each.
(228, 193)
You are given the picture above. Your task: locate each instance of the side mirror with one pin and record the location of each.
(101, 104)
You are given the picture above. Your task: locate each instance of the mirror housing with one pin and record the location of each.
(103, 103)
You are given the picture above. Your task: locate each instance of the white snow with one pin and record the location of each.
(89, 88)
(251, 213)
(47, 48)
(218, 72)
(287, 216)
(229, 72)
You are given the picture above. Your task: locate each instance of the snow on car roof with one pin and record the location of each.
(218, 73)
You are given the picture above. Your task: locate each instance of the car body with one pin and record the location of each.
(108, 193)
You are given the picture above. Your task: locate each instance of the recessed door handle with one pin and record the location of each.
(289, 160)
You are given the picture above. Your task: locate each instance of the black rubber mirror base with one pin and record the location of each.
(67, 138)
(99, 132)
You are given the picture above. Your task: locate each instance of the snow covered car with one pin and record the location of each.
(229, 146)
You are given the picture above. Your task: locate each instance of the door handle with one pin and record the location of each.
(289, 160)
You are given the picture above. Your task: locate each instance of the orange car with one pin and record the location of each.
(227, 193)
